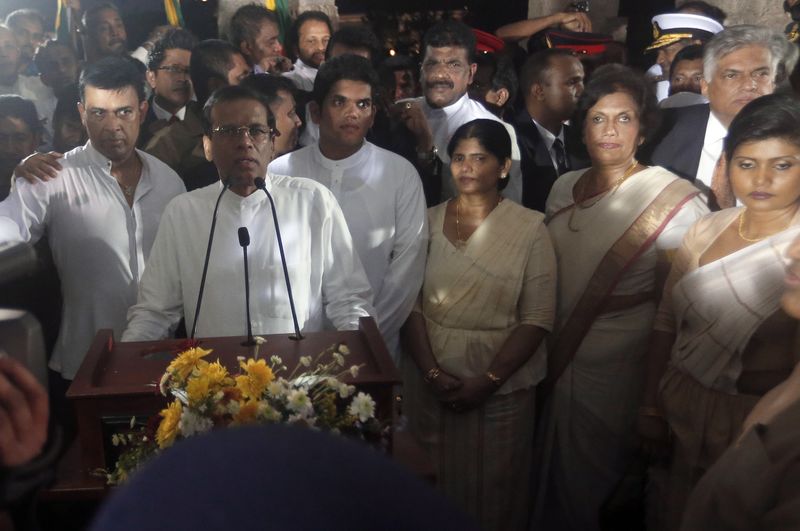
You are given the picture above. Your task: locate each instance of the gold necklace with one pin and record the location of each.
(458, 218)
(581, 204)
(754, 240)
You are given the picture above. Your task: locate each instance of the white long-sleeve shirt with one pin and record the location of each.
(99, 243)
(324, 269)
(382, 199)
(444, 122)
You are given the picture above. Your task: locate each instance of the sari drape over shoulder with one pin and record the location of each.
(608, 249)
(713, 310)
(473, 298)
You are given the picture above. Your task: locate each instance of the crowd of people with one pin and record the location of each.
(578, 268)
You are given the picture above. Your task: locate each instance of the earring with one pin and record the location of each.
(504, 176)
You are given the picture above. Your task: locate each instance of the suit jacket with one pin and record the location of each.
(678, 143)
(150, 126)
(538, 172)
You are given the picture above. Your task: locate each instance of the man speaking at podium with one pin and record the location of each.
(327, 278)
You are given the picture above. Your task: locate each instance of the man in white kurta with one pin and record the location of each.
(447, 70)
(326, 275)
(381, 196)
(100, 220)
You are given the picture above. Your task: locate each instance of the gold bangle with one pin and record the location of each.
(432, 374)
(650, 412)
(496, 380)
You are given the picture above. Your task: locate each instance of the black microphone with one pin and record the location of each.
(262, 185)
(205, 263)
(244, 241)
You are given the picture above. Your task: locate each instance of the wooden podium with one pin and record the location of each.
(119, 380)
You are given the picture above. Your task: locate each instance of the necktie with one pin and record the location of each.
(173, 119)
(561, 156)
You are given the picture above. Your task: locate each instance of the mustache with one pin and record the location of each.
(439, 83)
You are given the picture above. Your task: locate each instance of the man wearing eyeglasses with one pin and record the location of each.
(328, 281)
(168, 76)
(100, 212)
(448, 67)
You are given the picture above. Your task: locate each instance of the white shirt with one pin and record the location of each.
(550, 139)
(99, 243)
(302, 76)
(444, 122)
(382, 200)
(712, 149)
(324, 269)
(163, 114)
(662, 87)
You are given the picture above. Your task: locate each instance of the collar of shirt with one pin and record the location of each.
(353, 160)
(163, 114)
(448, 111)
(304, 70)
(715, 131)
(102, 162)
(253, 200)
(548, 137)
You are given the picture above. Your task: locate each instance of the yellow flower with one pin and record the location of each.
(187, 361)
(168, 429)
(217, 375)
(257, 376)
(197, 388)
(247, 412)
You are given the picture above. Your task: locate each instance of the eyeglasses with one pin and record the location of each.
(174, 70)
(258, 133)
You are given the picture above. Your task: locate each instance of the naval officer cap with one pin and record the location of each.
(673, 27)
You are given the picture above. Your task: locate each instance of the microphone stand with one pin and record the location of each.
(244, 241)
(205, 263)
(262, 185)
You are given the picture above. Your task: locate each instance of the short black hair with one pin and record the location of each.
(450, 33)
(771, 116)
(693, 52)
(89, 20)
(113, 73)
(13, 106)
(268, 86)
(48, 46)
(293, 34)
(356, 37)
(614, 78)
(211, 59)
(233, 93)
(535, 67)
(503, 75)
(173, 39)
(246, 23)
(705, 8)
(13, 17)
(348, 66)
(490, 134)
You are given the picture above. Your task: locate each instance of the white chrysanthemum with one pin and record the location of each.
(343, 349)
(354, 371)
(299, 402)
(339, 359)
(276, 388)
(305, 361)
(192, 423)
(275, 361)
(362, 407)
(346, 390)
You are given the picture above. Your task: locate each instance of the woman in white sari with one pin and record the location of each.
(612, 226)
(475, 338)
(719, 323)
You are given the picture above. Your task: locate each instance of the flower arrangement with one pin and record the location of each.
(206, 397)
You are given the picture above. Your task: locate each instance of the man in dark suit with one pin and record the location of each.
(551, 81)
(740, 65)
(168, 77)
